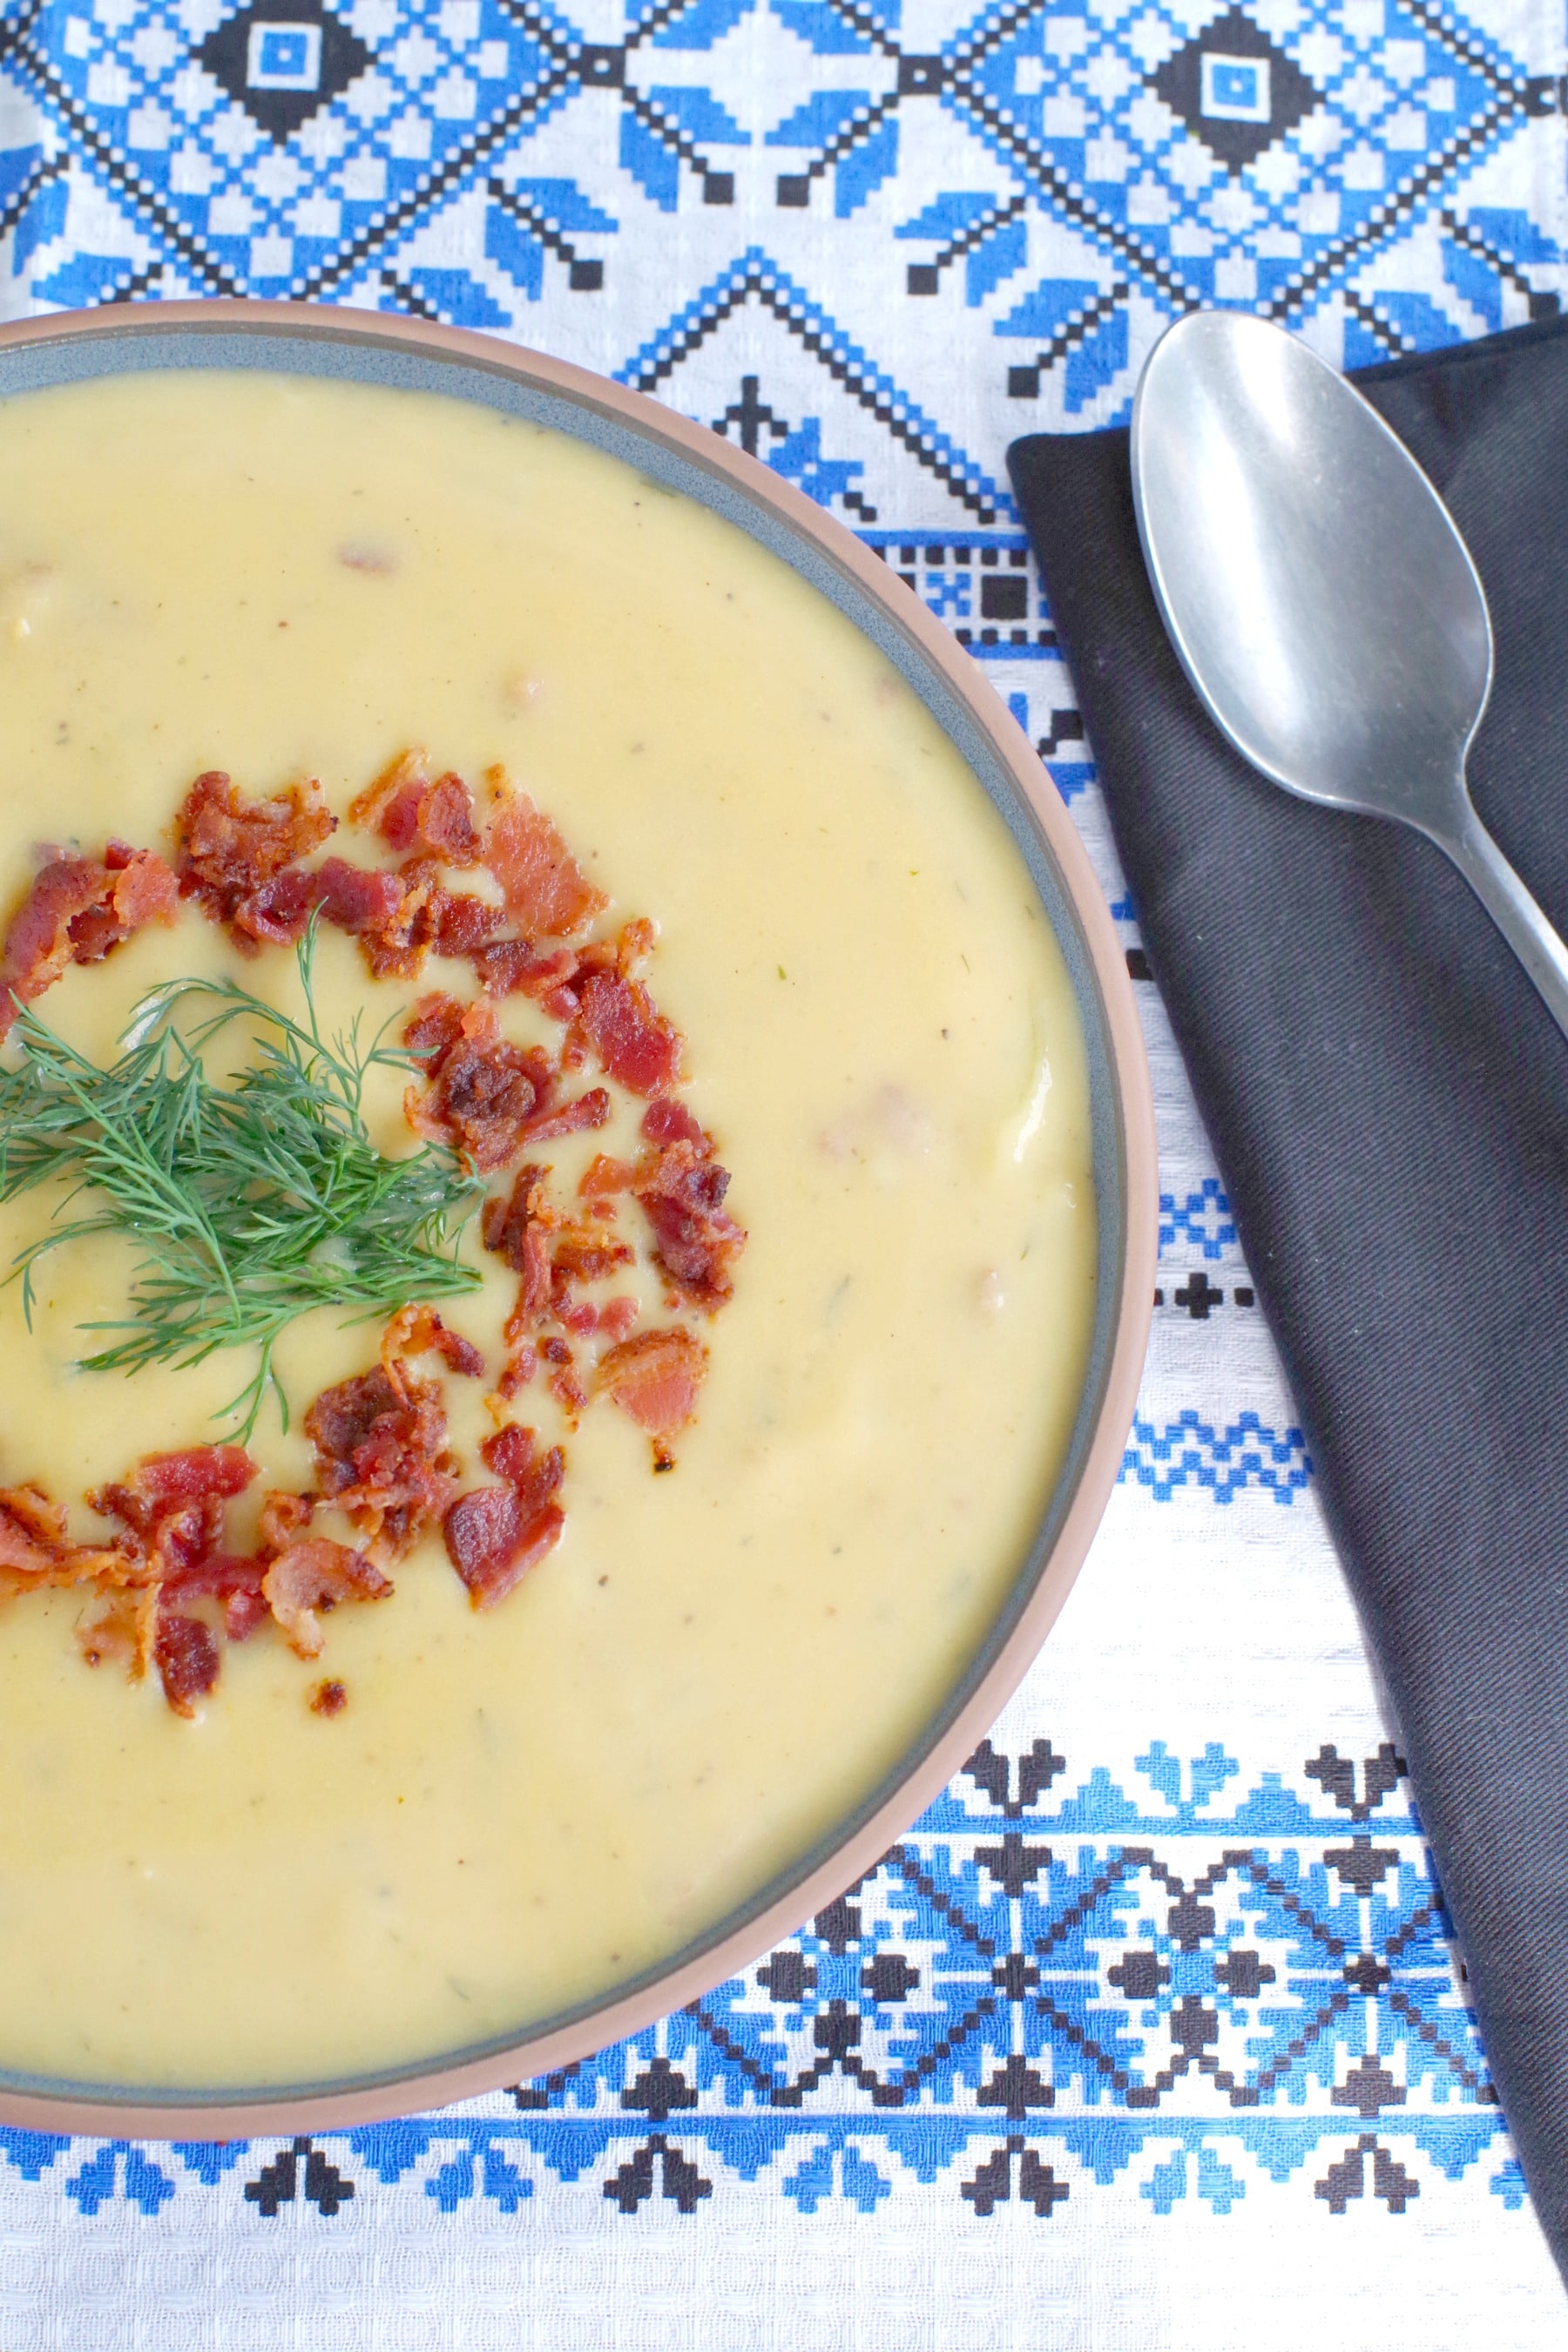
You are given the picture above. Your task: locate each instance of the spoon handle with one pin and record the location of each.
(1538, 945)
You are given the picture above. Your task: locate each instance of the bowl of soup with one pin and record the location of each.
(455, 800)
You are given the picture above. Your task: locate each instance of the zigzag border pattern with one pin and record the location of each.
(1221, 1461)
(754, 276)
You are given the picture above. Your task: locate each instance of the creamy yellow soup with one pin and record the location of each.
(520, 1808)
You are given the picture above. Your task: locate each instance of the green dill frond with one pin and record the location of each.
(248, 1203)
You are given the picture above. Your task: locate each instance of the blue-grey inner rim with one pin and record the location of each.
(349, 353)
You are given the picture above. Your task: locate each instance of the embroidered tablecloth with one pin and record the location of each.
(1149, 2034)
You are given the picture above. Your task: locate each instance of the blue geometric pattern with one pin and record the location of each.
(1055, 1980)
(870, 241)
(1051, 184)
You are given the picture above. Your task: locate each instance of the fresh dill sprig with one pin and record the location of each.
(248, 1204)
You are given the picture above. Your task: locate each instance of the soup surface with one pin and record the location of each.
(522, 1807)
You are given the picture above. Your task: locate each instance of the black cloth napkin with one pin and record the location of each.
(1388, 1099)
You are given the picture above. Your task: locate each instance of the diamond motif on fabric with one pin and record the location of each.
(283, 60)
(1234, 89)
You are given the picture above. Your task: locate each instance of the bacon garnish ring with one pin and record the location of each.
(380, 1437)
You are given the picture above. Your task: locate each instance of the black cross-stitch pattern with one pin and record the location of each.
(1179, 82)
(1195, 1297)
(992, 2183)
(226, 53)
(1543, 303)
(1014, 1785)
(1023, 375)
(583, 276)
(682, 2183)
(757, 284)
(757, 425)
(963, 581)
(1066, 727)
(1347, 2178)
(1336, 1776)
(300, 2171)
(925, 277)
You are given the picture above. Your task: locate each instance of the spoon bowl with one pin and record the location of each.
(1319, 597)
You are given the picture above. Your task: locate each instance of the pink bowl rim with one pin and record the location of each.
(424, 2085)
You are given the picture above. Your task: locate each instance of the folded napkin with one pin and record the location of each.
(1388, 1099)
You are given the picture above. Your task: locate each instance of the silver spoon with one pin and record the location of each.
(1321, 600)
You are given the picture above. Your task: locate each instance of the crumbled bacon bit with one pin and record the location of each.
(284, 1519)
(546, 892)
(551, 1256)
(328, 1698)
(173, 1503)
(140, 889)
(511, 968)
(309, 1580)
(32, 1527)
(277, 913)
(453, 923)
(232, 1578)
(579, 1116)
(634, 942)
(634, 1042)
(244, 1607)
(615, 1317)
(381, 1454)
(563, 1385)
(603, 1179)
(231, 847)
(186, 1652)
(36, 1552)
(516, 1373)
(235, 1580)
(509, 1453)
(446, 828)
(381, 909)
(389, 805)
(122, 1631)
(419, 1330)
(385, 911)
(166, 1482)
(432, 1029)
(517, 1230)
(414, 815)
(483, 1093)
(496, 1534)
(358, 898)
(38, 941)
(587, 1254)
(681, 1194)
(77, 909)
(667, 1120)
(655, 1379)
